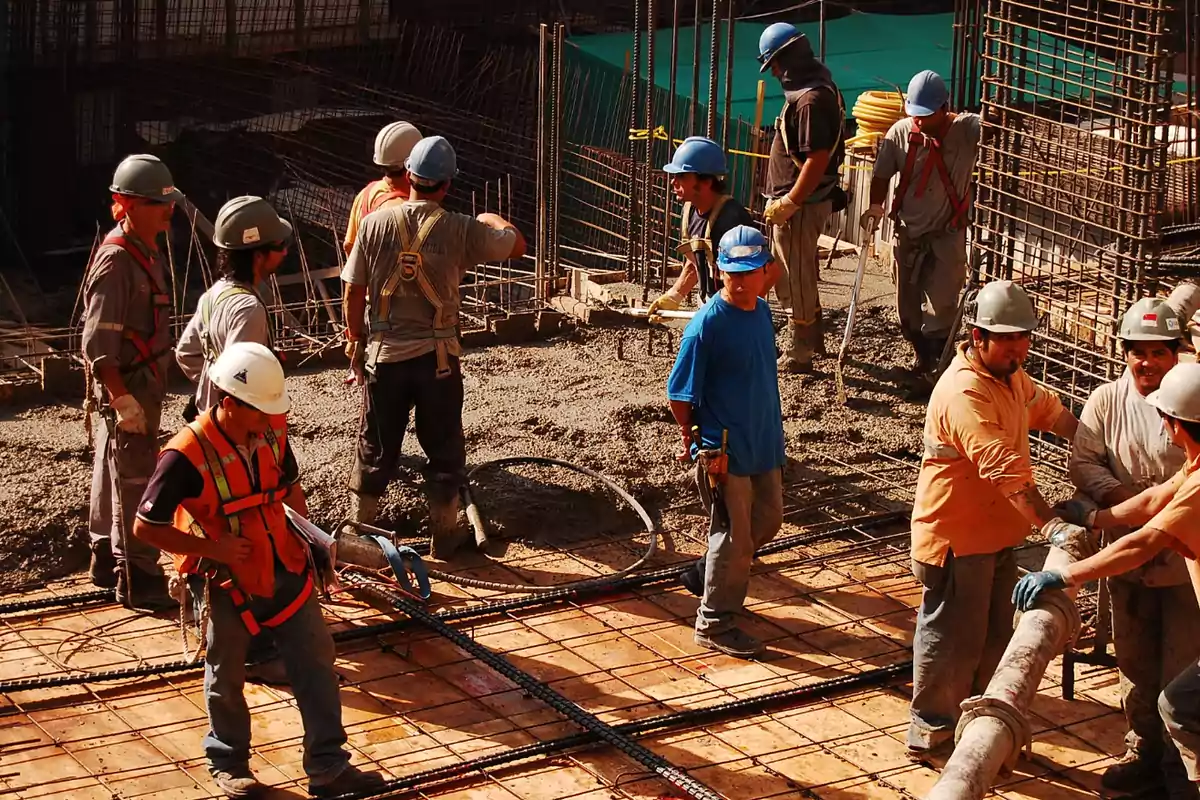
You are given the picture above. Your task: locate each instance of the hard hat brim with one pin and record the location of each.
(1149, 337)
(748, 264)
(990, 328)
(281, 406)
(917, 110)
(674, 169)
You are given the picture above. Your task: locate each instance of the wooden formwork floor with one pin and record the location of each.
(413, 701)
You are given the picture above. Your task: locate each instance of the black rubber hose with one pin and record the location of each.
(584, 719)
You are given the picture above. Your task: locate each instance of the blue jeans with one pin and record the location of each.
(308, 653)
(755, 505)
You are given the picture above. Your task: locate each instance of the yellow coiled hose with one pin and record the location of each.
(875, 112)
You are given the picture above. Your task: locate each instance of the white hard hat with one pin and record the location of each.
(1150, 319)
(1003, 307)
(1178, 395)
(251, 373)
(394, 142)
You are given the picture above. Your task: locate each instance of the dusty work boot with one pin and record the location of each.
(349, 779)
(798, 358)
(693, 577)
(446, 536)
(237, 783)
(149, 592)
(103, 569)
(817, 337)
(1134, 774)
(363, 508)
(734, 642)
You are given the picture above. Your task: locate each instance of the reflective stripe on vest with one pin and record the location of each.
(958, 206)
(208, 305)
(160, 303)
(232, 506)
(410, 266)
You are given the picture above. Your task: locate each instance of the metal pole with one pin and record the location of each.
(714, 56)
(635, 74)
(822, 33)
(668, 195)
(558, 118)
(539, 267)
(694, 114)
(648, 179)
(726, 123)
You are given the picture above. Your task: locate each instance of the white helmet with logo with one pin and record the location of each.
(251, 373)
(1150, 319)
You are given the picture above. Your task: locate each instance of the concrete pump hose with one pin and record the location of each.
(875, 113)
(476, 520)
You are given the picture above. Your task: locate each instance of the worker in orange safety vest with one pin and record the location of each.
(393, 143)
(216, 500)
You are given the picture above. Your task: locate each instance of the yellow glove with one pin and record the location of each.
(664, 302)
(871, 217)
(779, 210)
(131, 417)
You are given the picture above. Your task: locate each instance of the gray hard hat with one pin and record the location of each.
(1003, 307)
(394, 142)
(1178, 395)
(147, 177)
(248, 222)
(1150, 319)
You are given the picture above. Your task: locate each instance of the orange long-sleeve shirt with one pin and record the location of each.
(976, 457)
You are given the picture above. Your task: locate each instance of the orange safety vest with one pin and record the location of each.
(160, 302)
(378, 193)
(233, 504)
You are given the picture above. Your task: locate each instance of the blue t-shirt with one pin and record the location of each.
(726, 370)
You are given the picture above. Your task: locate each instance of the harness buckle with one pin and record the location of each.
(410, 264)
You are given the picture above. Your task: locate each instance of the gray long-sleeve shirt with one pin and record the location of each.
(238, 317)
(1121, 442)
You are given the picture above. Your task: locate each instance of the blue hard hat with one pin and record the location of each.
(775, 38)
(697, 155)
(432, 160)
(926, 94)
(742, 249)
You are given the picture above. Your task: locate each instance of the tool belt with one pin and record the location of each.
(409, 268)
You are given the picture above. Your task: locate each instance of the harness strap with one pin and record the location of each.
(241, 604)
(827, 182)
(160, 303)
(379, 200)
(208, 305)
(410, 267)
(934, 161)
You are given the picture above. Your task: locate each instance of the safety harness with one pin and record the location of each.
(692, 244)
(827, 183)
(160, 303)
(377, 201)
(208, 305)
(934, 160)
(410, 266)
(231, 507)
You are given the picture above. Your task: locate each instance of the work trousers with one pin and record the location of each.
(308, 654)
(929, 272)
(388, 400)
(122, 466)
(1156, 635)
(755, 506)
(1179, 706)
(794, 246)
(963, 625)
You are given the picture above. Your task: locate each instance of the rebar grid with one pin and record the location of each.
(1072, 168)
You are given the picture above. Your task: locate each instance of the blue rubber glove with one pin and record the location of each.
(1076, 512)
(1026, 592)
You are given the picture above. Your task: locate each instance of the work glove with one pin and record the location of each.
(871, 217)
(1025, 593)
(1077, 512)
(358, 359)
(664, 302)
(779, 210)
(131, 418)
(1077, 541)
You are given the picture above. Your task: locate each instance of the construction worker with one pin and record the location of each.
(725, 384)
(127, 344)
(975, 501)
(933, 150)
(1166, 516)
(802, 182)
(1121, 449)
(252, 241)
(401, 297)
(393, 143)
(247, 568)
(697, 171)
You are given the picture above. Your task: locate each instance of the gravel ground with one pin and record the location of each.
(571, 398)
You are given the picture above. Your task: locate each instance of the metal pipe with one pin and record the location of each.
(726, 123)
(694, 115)
(542, 237)
(635, 76)
(993, 729)
(668, 195)
(648, 178)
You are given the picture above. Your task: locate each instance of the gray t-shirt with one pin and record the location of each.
(456, 244)
(238, 317)
(932, 211)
